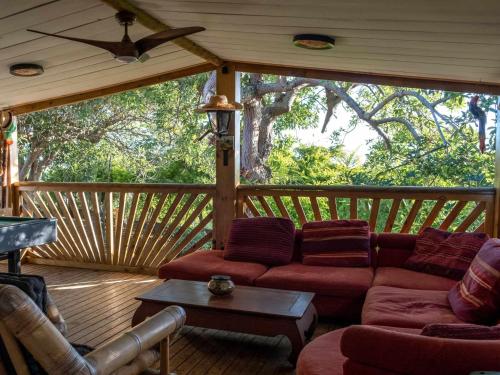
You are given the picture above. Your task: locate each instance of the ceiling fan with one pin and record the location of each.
(127, 51)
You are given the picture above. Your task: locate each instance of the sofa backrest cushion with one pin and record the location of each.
(445, 254)
(476, 298)
(344, 243)
(265, 240)
(393, 249)
(462, 331)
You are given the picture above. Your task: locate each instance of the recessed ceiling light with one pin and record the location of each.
(26, 70)
(313, 41)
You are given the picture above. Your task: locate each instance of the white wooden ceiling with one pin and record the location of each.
(443, 39)
(452, 39)
(70, 67)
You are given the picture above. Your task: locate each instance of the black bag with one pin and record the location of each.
(34, 286)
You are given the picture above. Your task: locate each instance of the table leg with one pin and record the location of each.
(145, 310)
(14, 261)
(302, 330)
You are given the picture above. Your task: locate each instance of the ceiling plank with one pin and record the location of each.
(156, 25)
(125, 86)
(381, 79)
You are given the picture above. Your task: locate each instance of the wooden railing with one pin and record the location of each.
(139, 227)
(387, 209)
(134, 227)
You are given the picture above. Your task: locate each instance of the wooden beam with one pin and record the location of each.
(227, 176)
(108, 90)
(156, 25)
(373, 78)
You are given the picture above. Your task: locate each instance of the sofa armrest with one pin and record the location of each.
(413, 354)
(131, 344)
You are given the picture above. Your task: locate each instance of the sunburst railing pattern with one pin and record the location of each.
(387, 209)
(137, 226)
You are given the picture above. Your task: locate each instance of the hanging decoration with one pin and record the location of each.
(480, 116)
(8, 127)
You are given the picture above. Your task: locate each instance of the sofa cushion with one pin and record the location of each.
(462, 331)
(408, 279)
(322, 355)
(476, 298)
(266, 240)
(445, 254)
(409, 308)
(324, 280)
(394, 249)
(202, 264)
(343, 243)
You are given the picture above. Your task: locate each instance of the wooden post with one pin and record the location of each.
(227, 176)
(496, 227)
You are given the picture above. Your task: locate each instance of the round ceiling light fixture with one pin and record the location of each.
(313, 41)
(26, 70)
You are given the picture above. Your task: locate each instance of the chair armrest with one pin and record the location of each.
(414, 354)
(55, 316)
(125, 348)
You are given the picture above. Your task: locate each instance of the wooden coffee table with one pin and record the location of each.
(259, 311)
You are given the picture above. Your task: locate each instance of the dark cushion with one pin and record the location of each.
(343, 243)
(462, 331)
(202, 264)
(266, 240)
(408, 279)
(410, 308)
(476, 298)
(332, 281)
(445, 254)
(393, 249)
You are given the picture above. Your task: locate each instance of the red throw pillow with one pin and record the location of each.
(266, 240)
(461, 331)
(445, 254)
(476, 299)
(344, 243)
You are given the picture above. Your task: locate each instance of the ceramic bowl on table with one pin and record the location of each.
(221, 285)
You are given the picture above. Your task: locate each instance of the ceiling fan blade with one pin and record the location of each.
(144, 57)
(154, 40)
(113, 47)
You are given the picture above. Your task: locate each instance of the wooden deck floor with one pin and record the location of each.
(98, 306)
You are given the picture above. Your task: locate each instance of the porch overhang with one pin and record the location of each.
(417, 45)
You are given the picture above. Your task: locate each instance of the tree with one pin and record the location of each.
(267, 98)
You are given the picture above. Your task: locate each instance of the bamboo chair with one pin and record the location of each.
(130, 354)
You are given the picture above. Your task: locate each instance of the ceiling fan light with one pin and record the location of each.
(26, 70)
(126, 59)
(313, 41)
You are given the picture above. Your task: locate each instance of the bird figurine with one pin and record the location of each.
(480, 116)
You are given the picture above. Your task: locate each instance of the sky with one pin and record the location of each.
(355, 140)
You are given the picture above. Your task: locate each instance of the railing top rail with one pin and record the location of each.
(363, 190)
(113, 187)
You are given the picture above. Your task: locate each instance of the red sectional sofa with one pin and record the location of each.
(392, 303)
(340, 291)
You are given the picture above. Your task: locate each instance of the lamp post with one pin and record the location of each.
(220, 112)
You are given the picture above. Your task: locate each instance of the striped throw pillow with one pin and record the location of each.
(476, 298)
(265, 240)
(445, 254)
(342, 243)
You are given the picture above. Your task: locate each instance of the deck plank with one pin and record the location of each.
(98, 306)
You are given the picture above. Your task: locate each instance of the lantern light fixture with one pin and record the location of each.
(220, 112)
